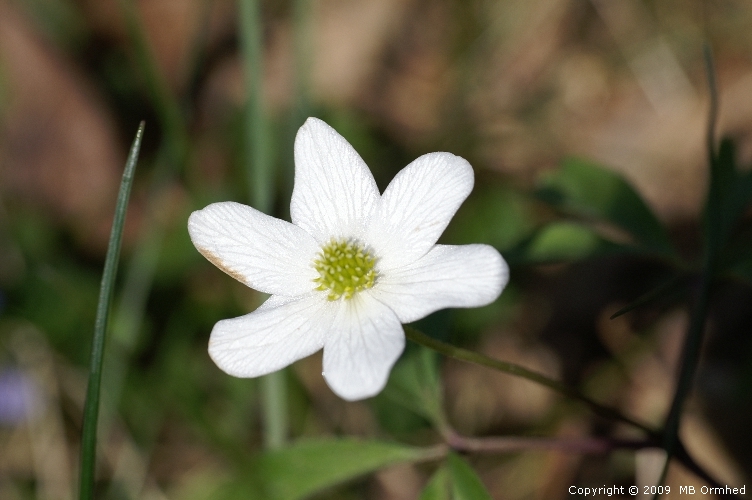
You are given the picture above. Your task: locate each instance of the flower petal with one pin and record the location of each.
(417, 206)
(447, 276)
(365, 341)
(268, 254)
(271, 337)
(334, 191)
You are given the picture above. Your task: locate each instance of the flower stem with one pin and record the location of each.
(301, 107)
(91, 407)
(274, 393)
(510, 444)
(519, 371)
(259, 172)
(303, 57)
(690, 357)
(257, 158)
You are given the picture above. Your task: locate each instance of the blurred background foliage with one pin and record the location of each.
(584, 122)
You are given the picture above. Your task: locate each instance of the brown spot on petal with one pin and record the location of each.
(214, 259)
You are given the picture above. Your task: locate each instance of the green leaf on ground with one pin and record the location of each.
(466, 485)
(438, 486)
(592, 192)
(498, 216)
(729, 194)
(565, 241)
(310, 466)
(414, 384)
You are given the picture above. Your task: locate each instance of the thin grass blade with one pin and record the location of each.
(664, 289)
(91, 407)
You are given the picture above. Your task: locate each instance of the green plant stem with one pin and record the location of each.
(91, 406)
(690, 358)
(511, 444)
(258, 167)
(257, 160)
(303, 57)
(274, 398)
(300, 107)
(519, 371)
(684, 457)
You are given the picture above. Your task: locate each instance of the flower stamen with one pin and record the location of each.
(345, 267)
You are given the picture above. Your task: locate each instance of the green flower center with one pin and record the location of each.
(345, 267)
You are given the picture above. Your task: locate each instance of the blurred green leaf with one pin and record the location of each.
(61, 300)
(564, 241)
(36, 236)
(592, 192)
(470, 324)
(718, 206)
(313, 465)
(729, 193)
(237, 488)
(438, 487)
(214, 485)
(414, 383)
(494, 215)
(176, 253)
(61, 20)
(466, 485)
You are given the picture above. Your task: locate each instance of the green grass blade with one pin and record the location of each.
(664, 289)
(91, 407)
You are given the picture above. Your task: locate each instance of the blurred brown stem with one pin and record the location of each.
(506, 444)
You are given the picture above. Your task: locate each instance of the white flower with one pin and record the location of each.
(350, 268)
